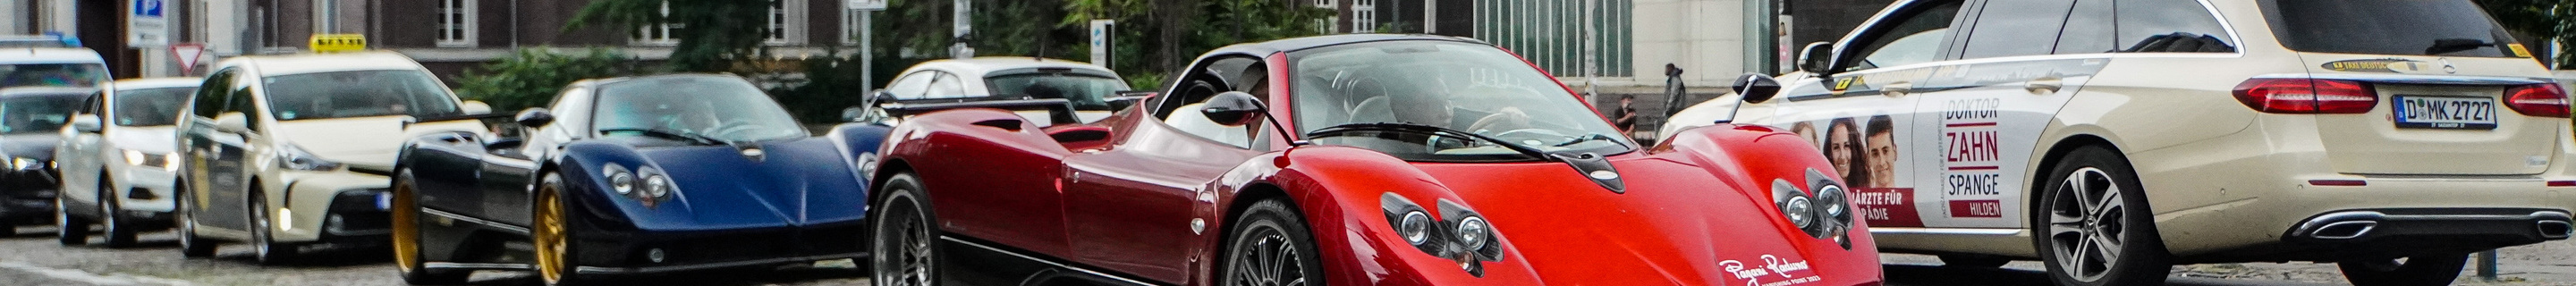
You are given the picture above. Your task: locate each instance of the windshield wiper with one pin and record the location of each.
(2445, 46)
(1338, 130)
(1590, 138)
(672, 134)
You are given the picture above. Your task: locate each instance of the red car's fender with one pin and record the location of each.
(1748, 156)
(1337, 189)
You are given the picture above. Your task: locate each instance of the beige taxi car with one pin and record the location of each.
(281, 152)
(2111, 139)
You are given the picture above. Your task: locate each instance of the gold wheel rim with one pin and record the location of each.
(549, 236)
(406, 230)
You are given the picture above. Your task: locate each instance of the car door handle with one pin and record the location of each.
(1897, 89)
(2044, 86)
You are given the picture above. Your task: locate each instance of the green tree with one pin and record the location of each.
(713, 34)
(2546, 19)
(529, 78)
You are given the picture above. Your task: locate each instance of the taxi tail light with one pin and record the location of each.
(2307, 96)
(2542, 100)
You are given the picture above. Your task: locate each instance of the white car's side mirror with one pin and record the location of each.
(472, 107)
(232, 122)
(85, 123)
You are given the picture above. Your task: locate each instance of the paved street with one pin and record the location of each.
(33, 258)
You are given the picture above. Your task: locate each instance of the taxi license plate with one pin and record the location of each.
(2446, 112)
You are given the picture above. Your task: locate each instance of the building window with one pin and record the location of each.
(779, 20)
(850, 26)
(456, 23)
(1326, 24)
(1363, 16)
(663, 34)
(1550, 33)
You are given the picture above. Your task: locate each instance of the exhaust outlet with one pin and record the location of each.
(2555, 229)
(2344, 230)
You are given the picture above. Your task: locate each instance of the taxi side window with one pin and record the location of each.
(911, 86)
(2088, 29)
(212, 94)
(2016, 28)
(2170, 26)
(1913, 39)
(241, 101)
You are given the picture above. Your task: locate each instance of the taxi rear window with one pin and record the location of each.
(2388, 27)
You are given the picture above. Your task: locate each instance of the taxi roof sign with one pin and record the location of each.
(332, 43)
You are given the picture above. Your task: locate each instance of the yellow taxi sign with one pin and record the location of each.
(327, 43)
(2519, 51)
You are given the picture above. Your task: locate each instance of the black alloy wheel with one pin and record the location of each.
(184, 212)
(1270, 247)
(111, 215)
(263, 236)
(69, 229)
(903, 243)
(2094, 225)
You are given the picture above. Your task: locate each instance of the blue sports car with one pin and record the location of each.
(631, 175)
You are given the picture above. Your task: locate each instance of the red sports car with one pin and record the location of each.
(1410, 160)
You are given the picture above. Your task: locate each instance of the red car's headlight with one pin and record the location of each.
(1824, 213)
(1464, 236)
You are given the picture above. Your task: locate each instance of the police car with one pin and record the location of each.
(2111, 139)
(41, 77)
(289, 150)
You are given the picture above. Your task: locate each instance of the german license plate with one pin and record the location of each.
(2446, 112)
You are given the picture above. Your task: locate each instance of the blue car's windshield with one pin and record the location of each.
(714, 107)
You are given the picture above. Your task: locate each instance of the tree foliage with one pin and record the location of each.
(712, 33)
(2546, 19)
(529, 78)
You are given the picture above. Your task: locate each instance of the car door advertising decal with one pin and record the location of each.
(1863, 150)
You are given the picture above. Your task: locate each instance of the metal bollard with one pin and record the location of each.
(2487, 265)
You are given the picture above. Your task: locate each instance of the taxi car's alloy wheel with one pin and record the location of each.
(71, 230)
(2095, 225)
(190, 245)
(263, 236)
(548, 233)
(904, 239)
(2434, 269)
(111, 220)
(406, 239)
(1271, 247)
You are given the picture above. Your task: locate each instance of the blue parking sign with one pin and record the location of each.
(147, 8)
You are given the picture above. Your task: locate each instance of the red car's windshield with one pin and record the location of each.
(1458, 86)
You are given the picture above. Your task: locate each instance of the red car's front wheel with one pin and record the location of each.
(903, 236)
(1271, 247)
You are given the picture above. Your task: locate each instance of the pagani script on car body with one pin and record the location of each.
(1771, 265)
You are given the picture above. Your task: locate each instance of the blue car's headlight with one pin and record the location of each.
(646, 184)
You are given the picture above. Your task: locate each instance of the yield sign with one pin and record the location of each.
(187, 54)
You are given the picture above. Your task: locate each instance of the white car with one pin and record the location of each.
(115, 160)
(2111, 139)
(284, 151)
(1093, 91)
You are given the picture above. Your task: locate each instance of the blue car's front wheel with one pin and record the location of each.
(549, 234)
